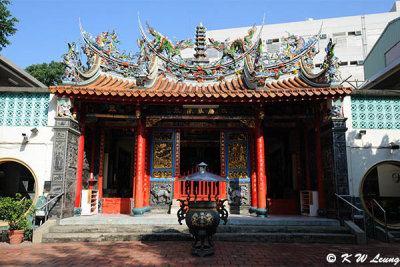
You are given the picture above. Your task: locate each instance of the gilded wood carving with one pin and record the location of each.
(162, 155)
(237, 156)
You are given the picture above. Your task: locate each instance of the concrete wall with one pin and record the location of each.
(349, 48)
(365, 151)
(37, 153)
(375, 62)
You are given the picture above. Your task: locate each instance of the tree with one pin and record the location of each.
(49, 74)
(7, 23)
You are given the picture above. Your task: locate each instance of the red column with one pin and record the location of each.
(253, 174)
(318, 156)
(138, 209)
(101, 164)
(261, 178)
(79, 167)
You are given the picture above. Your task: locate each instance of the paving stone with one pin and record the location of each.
(168, 253)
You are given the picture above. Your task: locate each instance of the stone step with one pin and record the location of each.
(288, 237)
(184, 229)
(101, 237)
(242, 237)
(395, 233)
(119, 229)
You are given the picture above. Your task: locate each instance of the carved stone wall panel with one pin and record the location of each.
(65, 152)
(334, 163)
(238, 194)
(59, 156)
(69, 198)
(161, 194)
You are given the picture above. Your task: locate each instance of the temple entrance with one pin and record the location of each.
(281, 172)
(118, 170)
(200, 146)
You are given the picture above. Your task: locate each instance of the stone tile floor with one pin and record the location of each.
(165, 253)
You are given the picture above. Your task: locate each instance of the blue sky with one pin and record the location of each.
(46, 26)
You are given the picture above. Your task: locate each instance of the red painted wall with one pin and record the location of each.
(283, 206)
(116, 205)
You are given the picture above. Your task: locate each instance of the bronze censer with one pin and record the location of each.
(202, 210)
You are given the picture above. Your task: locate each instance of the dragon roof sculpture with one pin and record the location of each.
(246, 57)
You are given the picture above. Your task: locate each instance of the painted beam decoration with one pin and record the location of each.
(158, 55)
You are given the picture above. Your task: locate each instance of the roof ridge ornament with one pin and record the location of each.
(200, 42)
(247, 57)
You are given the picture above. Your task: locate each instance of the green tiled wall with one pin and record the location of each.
(23, 109)
(375, 113)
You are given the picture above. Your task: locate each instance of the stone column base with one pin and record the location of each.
(252, 210)
(77, 212)
(261, 212)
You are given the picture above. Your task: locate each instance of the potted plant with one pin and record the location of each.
(15, 212)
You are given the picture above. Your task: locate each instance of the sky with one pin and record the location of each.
(46, 26)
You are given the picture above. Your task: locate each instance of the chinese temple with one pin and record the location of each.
(130, 124)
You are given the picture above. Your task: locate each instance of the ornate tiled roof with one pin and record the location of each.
(243, 71)
(165, 89)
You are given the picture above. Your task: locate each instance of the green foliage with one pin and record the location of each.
(49, 74)
(15, 212)
(7, 23)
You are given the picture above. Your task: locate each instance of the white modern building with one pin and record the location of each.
(354, 37)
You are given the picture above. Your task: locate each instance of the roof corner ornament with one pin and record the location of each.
(331, 64)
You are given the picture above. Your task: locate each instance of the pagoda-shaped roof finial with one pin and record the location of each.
(200, 42)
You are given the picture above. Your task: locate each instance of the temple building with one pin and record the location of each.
(130, 124)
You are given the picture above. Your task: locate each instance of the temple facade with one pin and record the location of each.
(129, 125)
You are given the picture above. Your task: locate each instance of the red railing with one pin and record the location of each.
(203, 190)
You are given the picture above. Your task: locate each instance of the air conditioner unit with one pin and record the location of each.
(358, 33)
(269, 41)
(360, 62)
(322, 36)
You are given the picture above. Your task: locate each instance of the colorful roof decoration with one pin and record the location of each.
(208, 68)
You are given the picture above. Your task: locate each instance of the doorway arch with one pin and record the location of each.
(382, 183)
(26, 182)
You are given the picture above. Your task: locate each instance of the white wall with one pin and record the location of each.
(364, 152)
(37, 153)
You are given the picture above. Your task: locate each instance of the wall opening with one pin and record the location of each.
(382, 183)
(17, 177)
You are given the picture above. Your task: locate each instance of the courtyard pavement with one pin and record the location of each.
(166, 253)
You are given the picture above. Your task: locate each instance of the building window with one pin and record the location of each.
(355, 33)
(375, 113)
(23, 109)
(337, 34)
